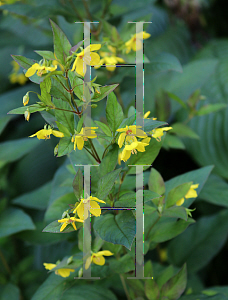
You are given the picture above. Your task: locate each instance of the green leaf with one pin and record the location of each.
(14, 220)
(61, 44)
(104, 128)
(177, 193)
(14, 150)
(66, 118)
(63, 129)
(58, 91)
(10, 291)
(166, 228)
(45, 87)
(147, 157)
(151, 289)
(104, 91)
(60, 205)
(177, 99)
(65, 146)
(129, 199)
(173, 288)
(172, 141)
(21, 110)
(156, 182)
(24, 62)
(4, 120)
(49, 55)
(183, 130)
(106, 183)
(210, 108)
(109, 162)
(88, 292)
(76, 84)
(78, 184)
(118, 229)
(37, 199)
(165, 62)
(215, 191)
(114, 113)
(176, 212)
(200, 243)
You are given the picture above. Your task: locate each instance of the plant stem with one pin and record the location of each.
(152, 227)
(125, 287)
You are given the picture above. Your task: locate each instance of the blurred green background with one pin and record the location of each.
(194, 33)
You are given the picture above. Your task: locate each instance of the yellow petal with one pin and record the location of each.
(99, 260)
(80, 67)
(80, 142)
(146, 115)
(119, 59)
(63, 226)
(82, 213)
(31, 71)
(132, 146)
(180, 202)
(111, 69)
(49, 266)
(146, 35)
(104, 252)
(95, 208)
(96, 199)
(64, 272)
(121, 139)
(140, 147)
(125, 155)
(57, 133)
(75, 63)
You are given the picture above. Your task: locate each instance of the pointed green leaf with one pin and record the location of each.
(104, 128)
(156, 182)
(78, 184)
(210, 108)
(64, 115)
(65, 146)
(49, 55)
(183, 130)
(104, 91)
(109, 162)
(114, 113)
(21, 110)
(177, 193)
(24, 62)
(118, 229)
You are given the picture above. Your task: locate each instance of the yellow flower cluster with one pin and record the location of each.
(16, 76)
(79, 138)
(109, 59)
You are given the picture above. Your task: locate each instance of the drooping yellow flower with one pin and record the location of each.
(129, 132)
(135, 43)
(15, 76)
(79, 138)
(61, 272)
(146, 116)
(44, 134)
(133, 147)
(40, 70)
(91, 205)
(90, 58)
(97, 258)
(27, 115)
(159, 132)
(67, 221)
(190, 194)
(109, 59)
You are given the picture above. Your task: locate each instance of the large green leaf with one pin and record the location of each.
(116, 229)
(164, 62)
(66, 118)
(65, 146)
(10, 291)
(200, 243)
(37, 199)
(105, 184)
(78, 184)
(14, 220)
(215, 191)
(104, 91)
(114, 112)
(14, 150)
(109, 162)
(61, 44)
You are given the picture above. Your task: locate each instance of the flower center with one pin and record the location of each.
(129, 131)
(134, 151)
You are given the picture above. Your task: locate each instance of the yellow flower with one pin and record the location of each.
(130, 132)
(146, 116)
(159, 132)
(79, 138)
(92, 206)
(62, 272)
(97, 258)
(44, 134)
(131, 44)
(190, 194)
(26, 99)
(90, 58)
(40, 70)
(133, 147)
(67, 221)
(109, 59)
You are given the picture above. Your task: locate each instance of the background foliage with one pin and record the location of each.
(187, 59)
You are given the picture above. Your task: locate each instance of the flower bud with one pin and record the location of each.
(56, 150)
(27, 115)
(94, 105)
(26, 99)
